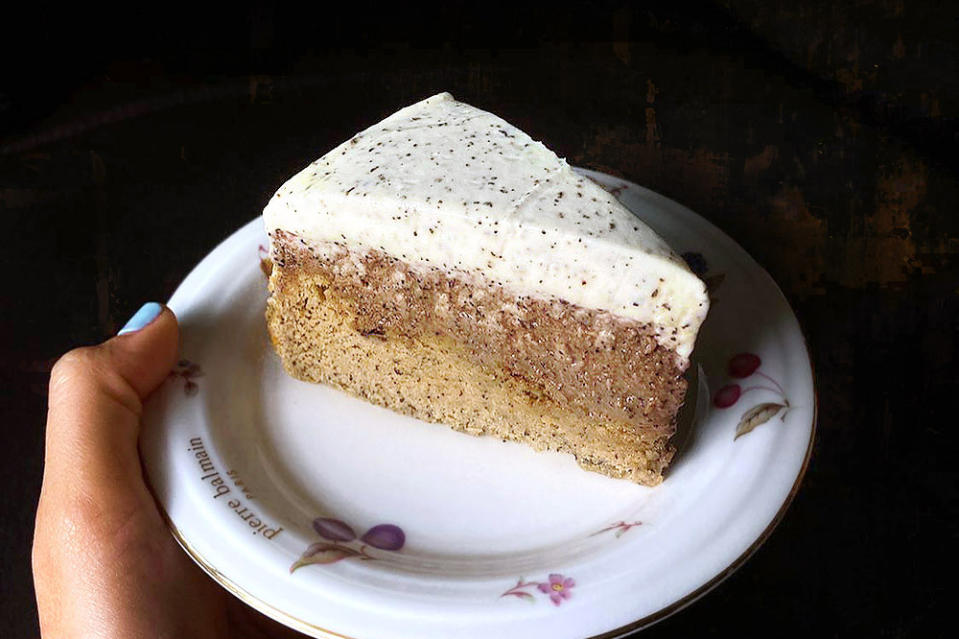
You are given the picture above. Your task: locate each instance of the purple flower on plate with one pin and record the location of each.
(343, 543)
(188, 371)
(558, 588)
(743, 365)
(333, 529)
(727, 395)
(385, 537)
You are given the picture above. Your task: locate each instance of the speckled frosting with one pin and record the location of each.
(444, 184)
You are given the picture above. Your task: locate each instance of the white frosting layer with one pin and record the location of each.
(447, 185)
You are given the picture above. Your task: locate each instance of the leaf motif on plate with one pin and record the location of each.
(342, 543)
(518, 592)
(620, 528)
(525, 596)
(557, 588)
(321, 553)
(757, 416)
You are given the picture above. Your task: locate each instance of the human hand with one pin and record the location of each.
(104, 563)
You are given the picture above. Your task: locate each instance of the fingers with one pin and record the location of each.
(104, 563)
(96, 396)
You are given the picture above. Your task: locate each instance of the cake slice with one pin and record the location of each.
(443, 264)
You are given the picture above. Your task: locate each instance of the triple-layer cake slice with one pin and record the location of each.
(443, 264)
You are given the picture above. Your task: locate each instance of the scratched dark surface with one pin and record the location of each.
(822, 138)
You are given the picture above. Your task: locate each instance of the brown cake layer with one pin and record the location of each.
(588, 360)
(466, 353)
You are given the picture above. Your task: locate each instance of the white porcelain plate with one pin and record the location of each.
(343, 519)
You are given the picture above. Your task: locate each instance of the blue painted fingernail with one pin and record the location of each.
(147, 313)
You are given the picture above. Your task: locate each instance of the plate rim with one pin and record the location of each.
(301, 625)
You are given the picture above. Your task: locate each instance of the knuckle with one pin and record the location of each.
(78, 361)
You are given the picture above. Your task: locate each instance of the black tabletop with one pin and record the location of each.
(821, 137)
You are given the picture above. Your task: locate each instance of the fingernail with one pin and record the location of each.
(147, 313)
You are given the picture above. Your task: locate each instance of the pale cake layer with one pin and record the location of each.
(433, 378)
(593, 364)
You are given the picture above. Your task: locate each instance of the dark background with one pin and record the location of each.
(821, 136)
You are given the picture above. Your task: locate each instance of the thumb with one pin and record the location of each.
(96, 396)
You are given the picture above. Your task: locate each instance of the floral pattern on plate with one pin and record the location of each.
(266, 264)
(330, 461)
(342, 542)
(746, 365)
(620, 527)
(557, 587)
(187, 371)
